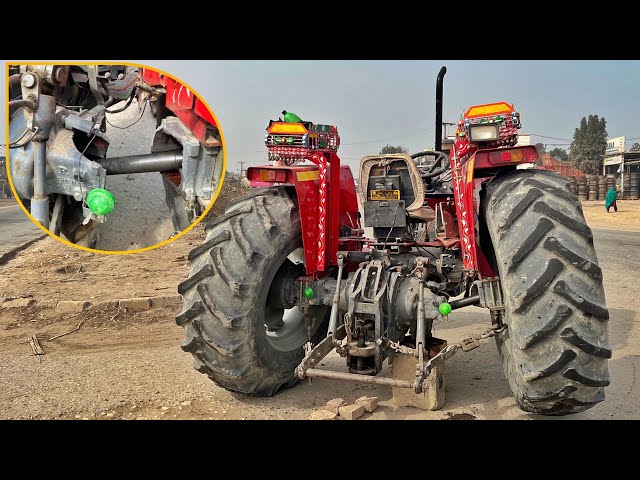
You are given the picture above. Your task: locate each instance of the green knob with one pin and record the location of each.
(100, 201)
(445, 308)
(308, 293)
(291, 117)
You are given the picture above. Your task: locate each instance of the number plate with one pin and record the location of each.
(385, 194)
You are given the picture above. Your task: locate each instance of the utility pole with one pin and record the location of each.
(242, 169)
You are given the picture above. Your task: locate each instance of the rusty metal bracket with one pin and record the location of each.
(333, 318)
(491, 297)
(314, 356)
(354, 377)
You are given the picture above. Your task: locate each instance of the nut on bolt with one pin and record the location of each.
(28, 80)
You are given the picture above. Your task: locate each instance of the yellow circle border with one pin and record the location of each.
(129, 64)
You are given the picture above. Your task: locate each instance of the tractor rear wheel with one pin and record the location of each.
(243, 332)
(556, 347)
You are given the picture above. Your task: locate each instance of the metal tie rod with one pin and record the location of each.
(353, 377)
(150, 162)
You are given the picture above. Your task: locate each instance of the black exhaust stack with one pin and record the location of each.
(439, 82)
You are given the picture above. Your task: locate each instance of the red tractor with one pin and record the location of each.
(286, 275)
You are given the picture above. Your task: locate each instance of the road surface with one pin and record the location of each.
(15, 227)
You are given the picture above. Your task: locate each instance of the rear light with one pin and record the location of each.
(526, 154)
(266, 175)
(272, 175)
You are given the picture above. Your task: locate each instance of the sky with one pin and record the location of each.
(374, 103)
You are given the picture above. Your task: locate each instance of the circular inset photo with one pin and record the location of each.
(111, 158)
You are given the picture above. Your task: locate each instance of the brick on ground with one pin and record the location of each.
(323, 415)
(333, 405)
(135, 304)
(106, 304)
(369, 403)
(71, 306)
(17, 303)
(351, 412)
(166, 300)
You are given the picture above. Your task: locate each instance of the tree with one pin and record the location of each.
(393, 149)
(635, 147)
(541, 148)
(559, 154)
(589, 144)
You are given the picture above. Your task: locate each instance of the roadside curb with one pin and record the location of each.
(4, 258)
(136, 304)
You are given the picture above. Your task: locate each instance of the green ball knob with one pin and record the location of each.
(308, 293)
(445, 308)
(291, 117)
(100, 201)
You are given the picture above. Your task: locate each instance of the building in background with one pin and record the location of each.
(613, 156)
(5, 188)
(619, 161)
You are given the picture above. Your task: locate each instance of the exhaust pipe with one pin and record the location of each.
(439, 82)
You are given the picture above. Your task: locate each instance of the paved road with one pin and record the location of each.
(15, 227)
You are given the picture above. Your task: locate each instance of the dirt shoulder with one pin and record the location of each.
(626, 218)
(54, 271)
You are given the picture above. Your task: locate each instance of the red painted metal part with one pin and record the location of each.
(321, 221)
(305, 180)
(464, 168)
(323, 207)
(484, 269)
(186, 106)
(463, 187)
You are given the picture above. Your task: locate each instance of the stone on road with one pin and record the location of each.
(351, 412)
(71, 306)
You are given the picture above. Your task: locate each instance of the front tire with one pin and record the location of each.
(556, 348)
(237, 334)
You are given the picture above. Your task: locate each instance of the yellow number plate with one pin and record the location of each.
(385, 194)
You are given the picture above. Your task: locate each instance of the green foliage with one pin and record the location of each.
(541, 148)
(393, 149)
(559, 154)
(589, 144)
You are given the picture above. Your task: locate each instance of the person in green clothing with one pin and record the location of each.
(612, 196)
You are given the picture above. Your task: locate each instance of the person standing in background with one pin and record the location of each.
(612, 196)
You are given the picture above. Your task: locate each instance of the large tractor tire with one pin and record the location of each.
(556, 348)
(236, 327)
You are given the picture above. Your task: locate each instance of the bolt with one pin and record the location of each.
(107, 74)
(28, 80)
(120, 76)
(58, 75)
